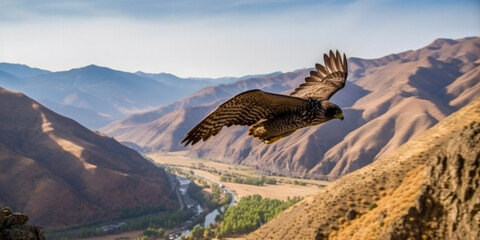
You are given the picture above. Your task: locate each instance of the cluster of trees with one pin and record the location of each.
(141, 211)
(259, 181)
(200, 232)
(168, 219)
(250, 213)
(154, 232)
(214, 200)
(300, 183)
(202, 166)
(187, 174)
(219, 196)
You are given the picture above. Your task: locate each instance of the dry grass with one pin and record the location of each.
(279, 191)
(180, 159)
(389, 208)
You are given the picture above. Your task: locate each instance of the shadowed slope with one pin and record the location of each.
(62, 174)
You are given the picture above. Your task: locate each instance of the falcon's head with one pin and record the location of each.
(333, 111)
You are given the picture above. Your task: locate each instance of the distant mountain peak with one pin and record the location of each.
(21, 70)
(441, 42)
(94, 67)
(159, 74)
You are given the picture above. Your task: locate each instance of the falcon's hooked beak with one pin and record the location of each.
(339, 116)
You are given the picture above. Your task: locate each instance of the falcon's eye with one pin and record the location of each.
(332, 111)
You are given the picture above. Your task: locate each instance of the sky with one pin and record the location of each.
(217, 38)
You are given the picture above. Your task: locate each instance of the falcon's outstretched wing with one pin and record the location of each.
(327, 80)
(244, 109)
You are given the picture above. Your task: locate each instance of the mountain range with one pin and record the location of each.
(61, 174)
(386, 102)
(427, 188)
(96, 96)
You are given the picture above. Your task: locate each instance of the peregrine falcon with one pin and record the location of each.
(273, 116)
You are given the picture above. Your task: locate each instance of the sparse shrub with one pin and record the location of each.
(300, 183)
(373, 206)
(333, 227)
(365, 202)
(152, 232)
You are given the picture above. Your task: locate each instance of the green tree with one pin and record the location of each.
(207, 232)
(197, 231)
(250, 213)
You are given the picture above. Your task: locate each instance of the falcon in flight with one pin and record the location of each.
(274, 116)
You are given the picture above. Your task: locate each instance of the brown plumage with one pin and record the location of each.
(274, 116)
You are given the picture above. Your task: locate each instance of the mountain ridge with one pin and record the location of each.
(104, 93)
(395, 97)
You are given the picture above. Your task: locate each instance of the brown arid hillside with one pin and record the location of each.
(62, 174)
(429, 188)
(386, 102)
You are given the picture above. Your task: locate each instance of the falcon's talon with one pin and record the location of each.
(271, 140)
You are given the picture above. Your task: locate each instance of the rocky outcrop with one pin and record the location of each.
(13, 227)
(449, 205)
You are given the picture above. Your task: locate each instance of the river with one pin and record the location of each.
(210, 218)
(190, 203)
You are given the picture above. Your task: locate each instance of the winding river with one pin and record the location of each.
(190, 203)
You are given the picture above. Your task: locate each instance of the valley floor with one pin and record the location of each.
(284, 189)
(124, 236)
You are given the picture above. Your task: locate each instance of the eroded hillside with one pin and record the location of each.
(429, 188)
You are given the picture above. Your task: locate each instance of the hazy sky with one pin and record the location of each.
(216, 38)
